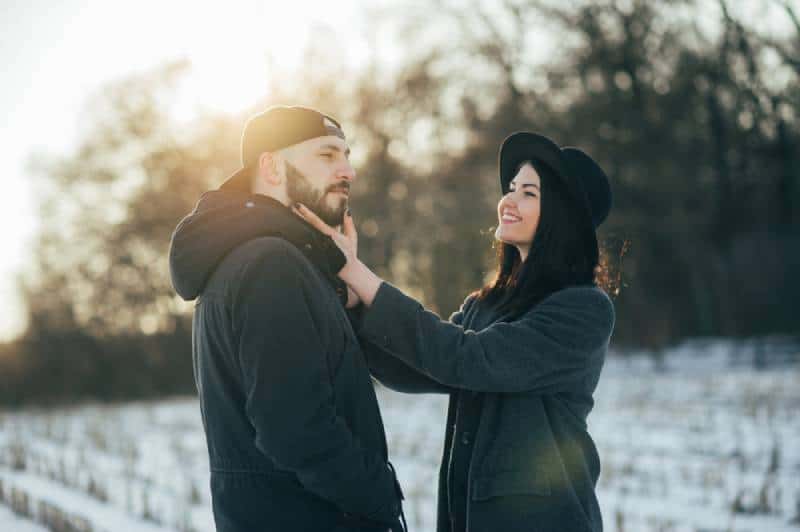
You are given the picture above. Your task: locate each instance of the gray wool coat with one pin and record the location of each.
(533, 465)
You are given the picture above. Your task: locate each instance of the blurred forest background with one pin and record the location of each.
(695, 120)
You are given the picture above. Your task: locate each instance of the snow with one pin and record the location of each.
(12, 523)
(104, 518)
(698, 441)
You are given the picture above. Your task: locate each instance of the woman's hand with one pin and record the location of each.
(346, 240)
(352, 299)
(360, 279)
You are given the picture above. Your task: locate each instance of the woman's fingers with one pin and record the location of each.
(344, 243)
(349, 228)
(306, 214)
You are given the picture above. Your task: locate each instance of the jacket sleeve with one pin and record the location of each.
(289, 393)
(547, 349)
(393, 372)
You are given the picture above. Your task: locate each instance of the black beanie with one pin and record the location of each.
(276, 128)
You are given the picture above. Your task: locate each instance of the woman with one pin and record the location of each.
(520, 359)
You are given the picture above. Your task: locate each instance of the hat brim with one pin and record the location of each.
(524, 146)
(594, 182)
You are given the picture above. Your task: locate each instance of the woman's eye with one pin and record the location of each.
(326, 155)
(531, 194)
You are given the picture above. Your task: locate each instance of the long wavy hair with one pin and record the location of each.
(563, 252)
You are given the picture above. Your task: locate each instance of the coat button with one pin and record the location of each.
(385, 340)
(249, 204)
(308, 246)
(465, 438)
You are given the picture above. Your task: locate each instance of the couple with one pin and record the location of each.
(289, 324)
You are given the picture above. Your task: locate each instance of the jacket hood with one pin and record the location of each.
(222, 220)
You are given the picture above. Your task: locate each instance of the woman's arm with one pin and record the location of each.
(552, 347)
(390, 370)
(397, 375)
(548, 349)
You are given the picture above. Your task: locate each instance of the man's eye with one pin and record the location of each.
(326, 155)
(531, 194)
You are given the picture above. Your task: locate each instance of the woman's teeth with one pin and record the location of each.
(510, 218)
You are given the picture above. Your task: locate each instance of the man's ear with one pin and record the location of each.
(268, 168)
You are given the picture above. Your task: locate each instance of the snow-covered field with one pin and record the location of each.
(700, 444)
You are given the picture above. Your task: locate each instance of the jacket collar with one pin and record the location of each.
(226, 218)
(279, 221)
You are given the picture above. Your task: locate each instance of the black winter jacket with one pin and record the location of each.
(295, 437)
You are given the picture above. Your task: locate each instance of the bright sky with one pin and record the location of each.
(56, 54)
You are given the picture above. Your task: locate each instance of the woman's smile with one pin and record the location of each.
(509, 218)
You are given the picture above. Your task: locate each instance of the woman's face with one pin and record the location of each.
(518, 211)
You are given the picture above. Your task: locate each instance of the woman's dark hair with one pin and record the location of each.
(563, 252)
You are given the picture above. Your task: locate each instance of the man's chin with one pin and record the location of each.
(331, 217)
(334, 211)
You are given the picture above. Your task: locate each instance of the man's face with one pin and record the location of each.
(318, 175)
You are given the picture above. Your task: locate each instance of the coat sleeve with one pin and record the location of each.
(393, 372)
(289, 393)
(548, 349)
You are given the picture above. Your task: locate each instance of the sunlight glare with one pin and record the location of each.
(230, 71)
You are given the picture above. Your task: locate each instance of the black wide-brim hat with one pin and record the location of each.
(585, 180)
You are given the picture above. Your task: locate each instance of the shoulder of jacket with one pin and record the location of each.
(579, 298)
(273, 250)
(268, 261)
(586, 312)
(579, 292)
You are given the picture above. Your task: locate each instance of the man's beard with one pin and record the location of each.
(300, 190)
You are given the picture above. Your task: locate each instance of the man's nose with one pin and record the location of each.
(347, 172)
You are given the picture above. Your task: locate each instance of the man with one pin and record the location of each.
(295, 437)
